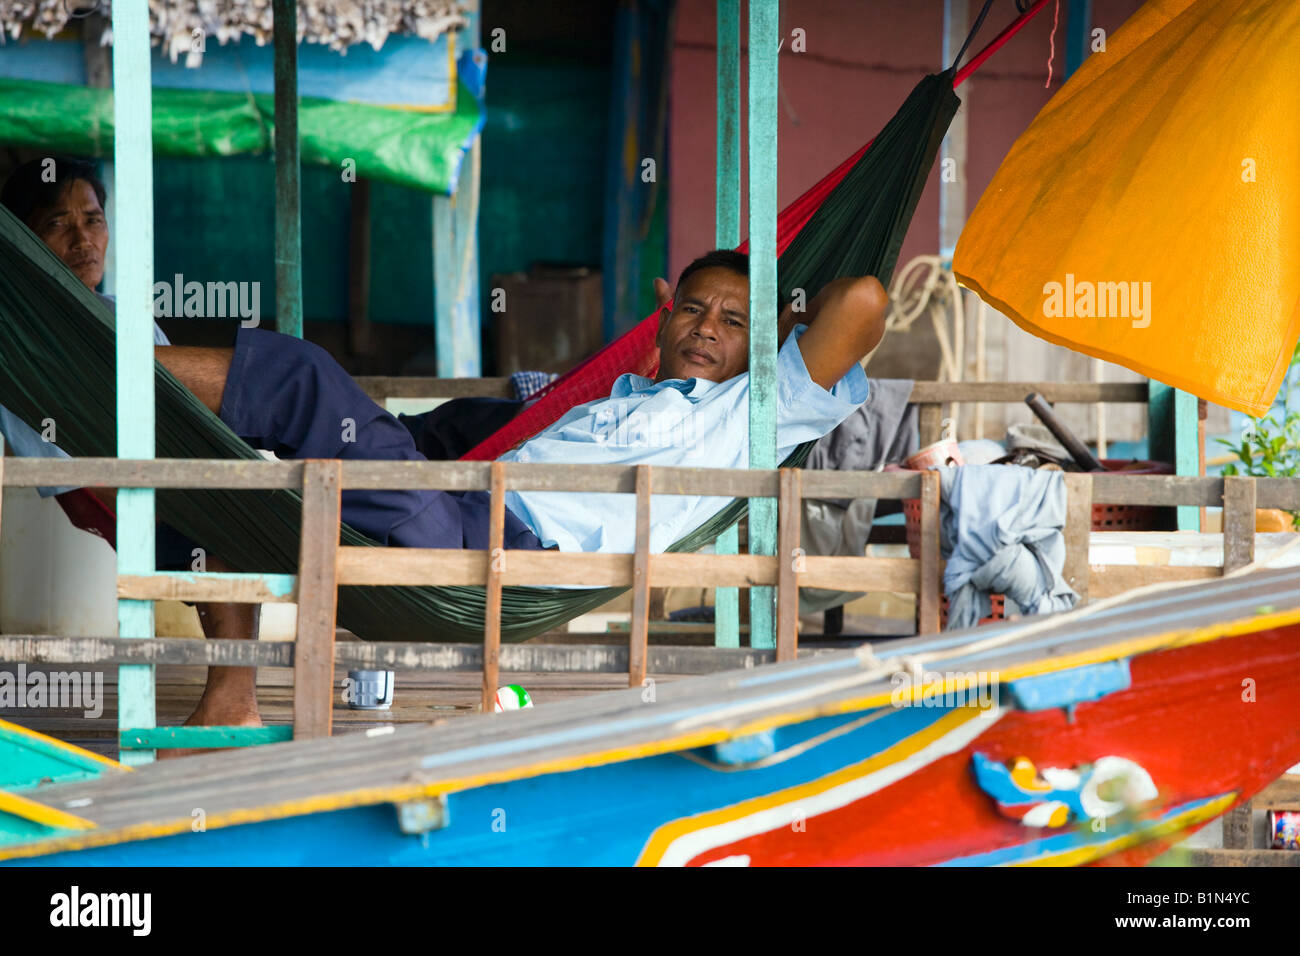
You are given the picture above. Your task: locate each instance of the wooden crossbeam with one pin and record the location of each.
(1113, 488)
(413, 567)
(381, 655)
(791, 562)
(381, 387)
(235, 588)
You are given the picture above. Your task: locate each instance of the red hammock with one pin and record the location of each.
(635, 350)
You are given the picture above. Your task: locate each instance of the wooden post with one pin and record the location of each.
(1202, 412)
(496, 567)
(133, 176)
(640, 629)
(791, 563)
(1239, 827)
(1078, 531)
(764, 37)
(726, 235)
(930, 423)
(318, 593)
(1238, 522)
(931, 586)
(288, 192)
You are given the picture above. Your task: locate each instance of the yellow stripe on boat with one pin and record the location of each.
(664, 837)
(40, 813)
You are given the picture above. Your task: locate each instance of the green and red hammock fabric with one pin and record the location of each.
(57, 359)
(635, 351)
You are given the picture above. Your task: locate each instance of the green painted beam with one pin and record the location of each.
(288, 191)
(133, 176)
(764, 37)
(168, 738)
(726, 621)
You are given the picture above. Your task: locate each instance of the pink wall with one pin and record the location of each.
(862, 60)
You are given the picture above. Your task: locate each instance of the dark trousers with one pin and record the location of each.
(290, 397)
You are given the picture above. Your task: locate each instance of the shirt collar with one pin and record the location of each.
(628, 383)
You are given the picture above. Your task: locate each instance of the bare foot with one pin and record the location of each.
(238, 713)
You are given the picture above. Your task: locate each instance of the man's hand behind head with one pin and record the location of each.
(846, 320)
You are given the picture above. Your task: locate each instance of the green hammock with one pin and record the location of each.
(57, 360)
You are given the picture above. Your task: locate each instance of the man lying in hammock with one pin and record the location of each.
(61, 200)
(291, 397)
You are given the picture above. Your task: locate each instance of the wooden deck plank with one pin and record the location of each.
(639, 632)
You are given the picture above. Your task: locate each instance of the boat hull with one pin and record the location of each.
(1211, 724)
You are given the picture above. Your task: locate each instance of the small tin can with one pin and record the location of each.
(943, 452)
(1284, 829)
(370, 690)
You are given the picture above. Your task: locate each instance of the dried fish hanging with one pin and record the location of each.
(174, 24)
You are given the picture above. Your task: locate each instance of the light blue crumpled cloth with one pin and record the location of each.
(1002, 533)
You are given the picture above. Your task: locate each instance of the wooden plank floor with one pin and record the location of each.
(418, 698)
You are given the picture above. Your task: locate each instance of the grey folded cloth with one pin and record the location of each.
(1003, 532)
(1036, 438)
(881, 432)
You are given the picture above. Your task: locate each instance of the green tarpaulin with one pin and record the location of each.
(420, 150)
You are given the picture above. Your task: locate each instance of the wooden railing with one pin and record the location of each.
(325, 565)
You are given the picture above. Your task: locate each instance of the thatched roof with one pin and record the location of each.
(336, 23)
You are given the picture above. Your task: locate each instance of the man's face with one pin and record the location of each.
(76, 230)
(707, 333)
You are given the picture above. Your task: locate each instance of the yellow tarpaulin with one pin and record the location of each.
(1150, 214)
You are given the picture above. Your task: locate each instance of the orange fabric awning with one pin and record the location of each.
(1150, 214)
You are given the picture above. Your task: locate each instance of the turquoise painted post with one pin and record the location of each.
(457, 316)
(726, 626)
(288, 194)
(455, 275)
(1078, 27)
(1172, 436)
(764, 30)
(133, 176)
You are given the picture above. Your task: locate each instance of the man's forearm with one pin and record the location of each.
(845, 321)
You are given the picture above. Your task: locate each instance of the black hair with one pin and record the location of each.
(737, 262)
(31, 187)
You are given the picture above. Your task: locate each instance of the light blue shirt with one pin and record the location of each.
(691, 423)
(23, 441)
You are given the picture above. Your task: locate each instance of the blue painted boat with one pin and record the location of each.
(1098, 735)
